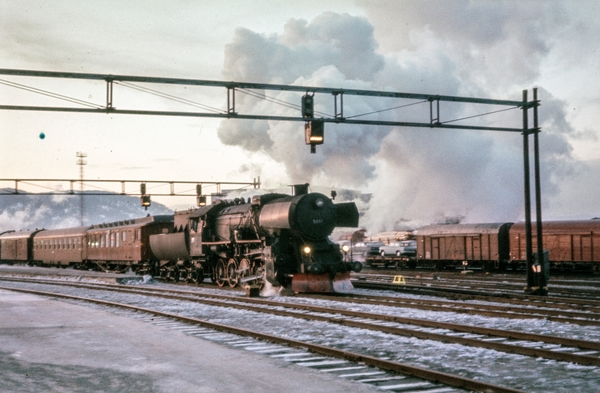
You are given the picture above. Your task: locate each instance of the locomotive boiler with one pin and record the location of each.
(283, 239)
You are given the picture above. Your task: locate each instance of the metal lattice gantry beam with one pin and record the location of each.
(232, 111)
(99, 187)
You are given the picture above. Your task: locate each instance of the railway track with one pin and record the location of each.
(463, 285)
(385, 374)
(534, 345)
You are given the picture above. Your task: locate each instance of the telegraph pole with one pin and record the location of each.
(81, 162)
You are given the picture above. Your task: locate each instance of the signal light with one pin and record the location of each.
(314, 133)
(200, 199)
(308, 106)
(145, 199)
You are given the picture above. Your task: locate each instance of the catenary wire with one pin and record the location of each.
(168, 96)
(50, 94)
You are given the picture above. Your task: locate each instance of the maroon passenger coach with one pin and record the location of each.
(16, 246)
(60, 247)
(125, 244)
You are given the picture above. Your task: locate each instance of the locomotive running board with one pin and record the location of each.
(321, 283)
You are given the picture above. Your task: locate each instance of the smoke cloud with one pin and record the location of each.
(416, 176)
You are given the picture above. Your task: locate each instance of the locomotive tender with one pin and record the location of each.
(280, 238)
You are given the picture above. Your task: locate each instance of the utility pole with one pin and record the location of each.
(81, 162)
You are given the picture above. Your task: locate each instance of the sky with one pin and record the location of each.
(489, 49)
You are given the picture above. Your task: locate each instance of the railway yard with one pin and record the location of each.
(434, 332)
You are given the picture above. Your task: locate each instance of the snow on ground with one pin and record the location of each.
(515, 371)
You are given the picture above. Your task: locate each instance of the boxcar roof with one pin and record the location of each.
(461, 229)
(567, 226)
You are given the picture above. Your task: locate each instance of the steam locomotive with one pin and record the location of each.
(280, 238)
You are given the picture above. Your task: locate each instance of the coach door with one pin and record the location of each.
(21, 251)
(125, 240)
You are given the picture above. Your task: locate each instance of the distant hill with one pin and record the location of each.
(30, 211)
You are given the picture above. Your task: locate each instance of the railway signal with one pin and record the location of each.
(314, 132)
(144, 199)
(308, 106)
(313, 129)
(200, 199)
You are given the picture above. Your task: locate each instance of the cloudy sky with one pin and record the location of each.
(492, 49)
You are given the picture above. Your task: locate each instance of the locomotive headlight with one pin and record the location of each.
(306, 250)
(319, 202)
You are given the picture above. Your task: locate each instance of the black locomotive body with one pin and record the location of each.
(277, 237)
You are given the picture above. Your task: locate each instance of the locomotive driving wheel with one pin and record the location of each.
(243, 268)
(174, 274)
(197, 275)
(232, 276)
(220, 273)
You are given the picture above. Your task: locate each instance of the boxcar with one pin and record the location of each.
(60, 247)
(477, 245)
(571, 245)
(17, 246)
(124, 244)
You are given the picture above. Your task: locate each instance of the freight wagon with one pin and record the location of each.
(571, 245)
(455, 246)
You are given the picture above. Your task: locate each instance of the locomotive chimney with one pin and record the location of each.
(300, 189)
